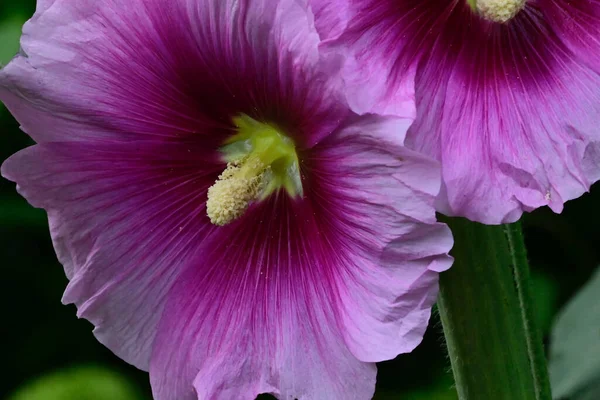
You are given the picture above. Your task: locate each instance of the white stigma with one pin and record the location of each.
(229, 197)
(499, 10)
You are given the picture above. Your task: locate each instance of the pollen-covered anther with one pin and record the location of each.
(230, 196)
(499, 10)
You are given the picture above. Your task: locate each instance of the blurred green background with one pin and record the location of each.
(49, 354)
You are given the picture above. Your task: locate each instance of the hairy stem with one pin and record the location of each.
(486, 311)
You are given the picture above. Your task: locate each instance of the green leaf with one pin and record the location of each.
(10, 32)
(575, 346)
(82, 383)
(591, 392)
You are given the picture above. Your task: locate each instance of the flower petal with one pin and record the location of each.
(123, 221)
(256, 314)
(295, 293)
(367, 44)
(101, 77)
(513, 129)
(510, 110)
(577, 24)
(52, 82)
(394, 269)
(331, 17)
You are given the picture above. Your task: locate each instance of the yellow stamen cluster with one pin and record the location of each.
(229, 197)
(261, 160)
(499, 10)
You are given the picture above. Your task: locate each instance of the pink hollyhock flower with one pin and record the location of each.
(507, 96)
(320, 252)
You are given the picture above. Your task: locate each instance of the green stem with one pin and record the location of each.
(486, 311)
(535, 349)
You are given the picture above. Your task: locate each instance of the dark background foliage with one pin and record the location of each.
(49, 354)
